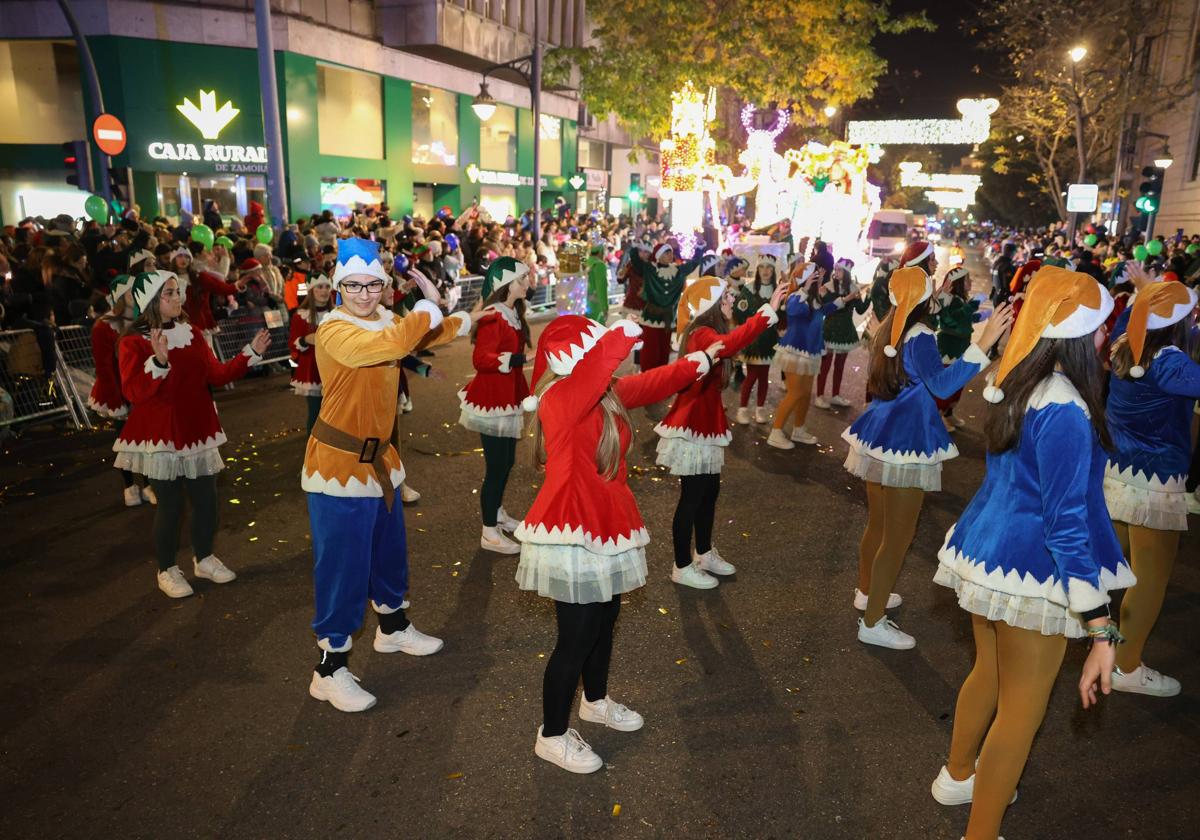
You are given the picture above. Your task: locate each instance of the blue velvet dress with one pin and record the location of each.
(902, 442)
(1035, 547)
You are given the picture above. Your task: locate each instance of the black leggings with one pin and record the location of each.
(202, 492)
(696, 511)
(126, 475)
(1193, 479)
(584, 647)
(499, 455)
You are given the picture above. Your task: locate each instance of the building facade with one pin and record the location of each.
(375, 103)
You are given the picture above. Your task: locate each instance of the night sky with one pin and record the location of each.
(929, 71)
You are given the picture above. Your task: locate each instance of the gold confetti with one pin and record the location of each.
(453, 776)
(235, 501)
(254, 539)
(766, 642)
(250, 525)
(541, 656)
(680, 661)
(421, 530)
(617, 810)
(746, 534)
(662, 610)
(436, 566)
(454, 574)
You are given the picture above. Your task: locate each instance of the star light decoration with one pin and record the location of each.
(952, 191)
(688, 159)
(972, 128)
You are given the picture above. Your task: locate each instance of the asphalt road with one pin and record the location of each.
(129, 715)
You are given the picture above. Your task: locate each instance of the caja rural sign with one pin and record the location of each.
(208, 116)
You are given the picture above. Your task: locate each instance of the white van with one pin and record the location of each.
(887, 234)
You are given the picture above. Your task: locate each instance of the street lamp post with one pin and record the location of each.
(1163, 161)
(529, 68)
(1076, 55)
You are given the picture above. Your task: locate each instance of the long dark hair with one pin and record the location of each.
(1121, 355)
(886, 378)
(150, 319)
(714, 319)
(1074, 358)
(500, 296)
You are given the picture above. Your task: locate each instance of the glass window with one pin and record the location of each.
(41, 96)
(500, 202)
(422, 201)
(434, 126)
(550, 144)
(349, 112)
(591, 155)
(498, 140)
(346, 195)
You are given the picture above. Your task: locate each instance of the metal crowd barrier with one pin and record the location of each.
(235, 333)
(540, 302)
(30, 393)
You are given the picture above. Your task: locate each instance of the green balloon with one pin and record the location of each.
(1140, 253)
(264, 234)
(204, 235)
(224, 242)
(1090, 240)
(96, 209)
(1154, 247)
(1192, 249)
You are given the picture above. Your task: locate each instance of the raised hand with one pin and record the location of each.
(158, 343)
(260, 342)
(997, 327)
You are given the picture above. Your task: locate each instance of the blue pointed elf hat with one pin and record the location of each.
(358, 256)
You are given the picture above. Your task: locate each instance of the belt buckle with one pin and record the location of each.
(371, 443)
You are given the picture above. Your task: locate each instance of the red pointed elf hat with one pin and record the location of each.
(562, 344)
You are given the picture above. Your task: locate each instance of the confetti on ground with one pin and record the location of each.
(680, 661)
(254, 539)
(453, 776)
(662, 610)
(250, 524)
(235, 501)
(541, 656)
(617, 810)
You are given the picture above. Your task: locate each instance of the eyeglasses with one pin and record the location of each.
(374, 287)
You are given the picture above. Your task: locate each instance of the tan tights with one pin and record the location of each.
(1151, 555)
(795, 400)
(891, 525)
(1004, 697)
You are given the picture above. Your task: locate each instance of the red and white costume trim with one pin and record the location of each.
(173, 431)
(583, 540)
(695, 432)
(306, 379)
(106, 398)
(491, 402)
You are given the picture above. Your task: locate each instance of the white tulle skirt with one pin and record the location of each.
(1022, 611)
(1162, 510)
(791, 360)
(168, 466)
(927, 477)
(684, 457)
(574, 575)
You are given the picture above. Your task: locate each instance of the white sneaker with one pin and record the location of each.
(341, 691)
(761, 415)
(779, 440)
(1145, 680)
(410, 640)
(505, 522)
(801, 435)
(148, 495)
(949, 791)
(408, 495)
(839, 401)
(610, 713)
(133, 496)
(406, 406)
(1193, 500)
(821, 402)
(493, 540)
(210, 568)
(743, 416)
(568, 751)
(860, 600)
(693, 576)
(886, 634)
(173, 583)
(714, 563)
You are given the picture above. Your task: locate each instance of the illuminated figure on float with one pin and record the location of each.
(689, 168)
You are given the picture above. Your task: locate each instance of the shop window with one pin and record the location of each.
(591, 155)
(434, 126)
(41, 94)
(498, 140)
(422, 201)
(550, 144)
(349, 113)
(346, 195)
(499, 202)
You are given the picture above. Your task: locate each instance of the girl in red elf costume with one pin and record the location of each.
(695, 432)
(302, 337)
(583, 542)
(172, 433)
(491, 402)
(106, 398)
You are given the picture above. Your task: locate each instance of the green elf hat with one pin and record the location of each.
(146, 286)
(120, 284)
(501, 272)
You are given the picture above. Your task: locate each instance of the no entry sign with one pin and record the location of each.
(109, 134)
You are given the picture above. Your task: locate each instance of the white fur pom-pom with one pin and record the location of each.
(1137, 371)
(993, 394)
(529, 404)
(889, 351)
(628, 327)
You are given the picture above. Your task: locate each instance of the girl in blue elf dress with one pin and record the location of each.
(1033, 557)
(899, 443)
(1152, 390)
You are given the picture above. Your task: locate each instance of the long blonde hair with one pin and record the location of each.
(608, 449)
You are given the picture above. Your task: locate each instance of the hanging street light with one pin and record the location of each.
(1077, 53)
(483, 104)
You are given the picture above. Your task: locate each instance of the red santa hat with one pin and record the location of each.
(663, 249)
(562, 344)
(917, 252)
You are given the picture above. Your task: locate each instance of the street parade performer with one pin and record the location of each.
(662, 284)
(352, 472)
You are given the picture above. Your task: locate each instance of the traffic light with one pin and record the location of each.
(635, 194)
(120, 182)
(77, 162)
(1151, 190)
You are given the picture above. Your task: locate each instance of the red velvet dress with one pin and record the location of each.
(306, 379)
(106, 398)
(491, 402)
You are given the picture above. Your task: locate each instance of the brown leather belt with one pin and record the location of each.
(369, 451)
